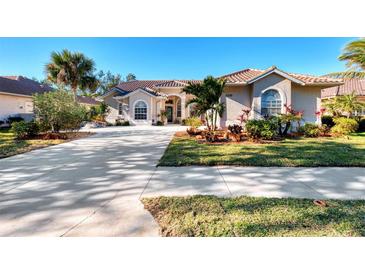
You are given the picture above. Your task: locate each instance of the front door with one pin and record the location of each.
(169, 114)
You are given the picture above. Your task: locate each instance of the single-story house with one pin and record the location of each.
(349, 86)
(265, 92)
(16, 96)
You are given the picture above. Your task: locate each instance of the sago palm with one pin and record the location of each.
(72, 69)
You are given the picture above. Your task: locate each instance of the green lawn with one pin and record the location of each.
(248, 216)
(10, 146)
(307, 152)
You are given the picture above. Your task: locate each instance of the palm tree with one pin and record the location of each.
(72, 69)
(207, 99)
(348, 104)
(354, 54)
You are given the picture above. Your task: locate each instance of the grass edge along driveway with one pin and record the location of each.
(203, 216)
(299, 152)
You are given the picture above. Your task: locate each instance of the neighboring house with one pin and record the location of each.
(265, 92)
(349, 86)
(87, 101)
(16, 96)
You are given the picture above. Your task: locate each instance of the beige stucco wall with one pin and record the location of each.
(308, 100)
(15, 105)
(272, 81)
(235, 98)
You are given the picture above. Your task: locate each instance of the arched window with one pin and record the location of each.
(140, 111)
(270, 103)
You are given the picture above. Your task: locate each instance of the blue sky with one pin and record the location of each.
(177, 58)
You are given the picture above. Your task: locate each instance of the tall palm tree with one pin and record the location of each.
(354, 54)
(72, 69)
(207, 99)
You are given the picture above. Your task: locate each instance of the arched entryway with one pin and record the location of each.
(173, 109)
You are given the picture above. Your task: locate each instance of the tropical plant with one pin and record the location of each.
(193, 122)
(73, 70)
(207, 99)
(344, 126)
(286, 119)
(57, 110)
(344, 104)
(354, 55)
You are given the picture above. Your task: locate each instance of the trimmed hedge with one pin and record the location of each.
(261, 129)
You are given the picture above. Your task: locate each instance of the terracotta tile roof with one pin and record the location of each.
(21, 85)
(350, 85)
(238, 77)
(87, 100)
(150, 86)
(176, 83)
(246, 75)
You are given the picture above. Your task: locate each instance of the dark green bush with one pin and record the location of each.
(23, 130)
(13, 119)
(310, 130)
(261, 129)
(328, 120)
(159, 123)
(361, 125)
(344, 126)
(125, 123)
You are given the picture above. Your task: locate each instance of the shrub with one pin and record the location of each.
(344, 126)
(310, 130)
(261, 129)
(327, 120)
(125, 124)
(235, 129)
(99, 112)
(13, 119)
(361, 125)
(57, 110)
(192, 122)
(23, 130)
(118, 123)
(159, 123)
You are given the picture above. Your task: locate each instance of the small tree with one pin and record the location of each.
(207, 99)
(345, 104)
(57, 110)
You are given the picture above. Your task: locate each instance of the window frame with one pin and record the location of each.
(271, 107)
(140, 113)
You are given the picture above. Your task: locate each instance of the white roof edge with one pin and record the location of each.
(277, 71)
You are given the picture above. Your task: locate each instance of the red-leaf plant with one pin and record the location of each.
(287, 118)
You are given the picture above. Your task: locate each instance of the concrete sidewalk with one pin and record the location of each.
(314, 183)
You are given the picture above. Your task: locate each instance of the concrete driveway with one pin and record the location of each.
(92, 186)
(87, 187)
